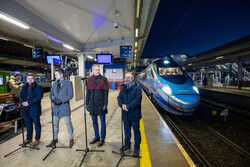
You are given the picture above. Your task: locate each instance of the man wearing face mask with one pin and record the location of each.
(30, 98)
(60, 95)
(97, 101)
(129, 100)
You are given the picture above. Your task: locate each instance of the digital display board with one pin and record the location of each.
(104, 58)
(49, 57)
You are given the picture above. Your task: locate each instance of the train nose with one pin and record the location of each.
(184, 102)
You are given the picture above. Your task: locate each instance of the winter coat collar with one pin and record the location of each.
(33, 85)
(129, 86)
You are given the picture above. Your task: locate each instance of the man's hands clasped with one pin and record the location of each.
(124, 107)
(57, 101)
(25, 104)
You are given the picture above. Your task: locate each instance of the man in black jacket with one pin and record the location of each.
(30, 98)
(129, 100)
(97, 101)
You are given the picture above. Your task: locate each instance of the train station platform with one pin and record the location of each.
(159, 147)
(235, 91)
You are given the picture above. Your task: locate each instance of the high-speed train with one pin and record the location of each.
(170, 86)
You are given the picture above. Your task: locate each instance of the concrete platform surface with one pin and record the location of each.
(164, 148)
(158, 148)
(65, 156)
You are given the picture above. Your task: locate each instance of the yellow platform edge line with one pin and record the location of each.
(145, 158)
(183, 151)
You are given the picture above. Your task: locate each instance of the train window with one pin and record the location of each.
(170, 71)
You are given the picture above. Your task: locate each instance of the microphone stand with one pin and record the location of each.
(121, 153)
(86, 150)
(24, 145)
(54, 144)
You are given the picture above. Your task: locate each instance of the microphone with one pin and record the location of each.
(122, 84)
(52, 80)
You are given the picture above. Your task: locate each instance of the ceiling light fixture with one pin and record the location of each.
(13, 21)
(4, 38)
(53, 38)
(28, 45)
(90, 57)
(219, 57)
(136, 32)
(138, 8)
(135, 50)
(68, 47)
(135, 44)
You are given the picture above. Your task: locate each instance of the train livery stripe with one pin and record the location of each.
(184, 153)
(145, 158)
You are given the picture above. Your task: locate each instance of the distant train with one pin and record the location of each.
(170, 86)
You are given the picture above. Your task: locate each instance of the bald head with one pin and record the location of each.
(129, 74)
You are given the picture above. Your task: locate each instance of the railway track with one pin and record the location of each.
(209, 146)
(205, 145)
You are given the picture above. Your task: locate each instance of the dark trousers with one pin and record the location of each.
(137, 133)
(103, 126)
(29, 126)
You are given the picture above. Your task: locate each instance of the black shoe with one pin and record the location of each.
(136, 153)
(71, 143)
(94, 140)
(53, 142)
(102, 141)
(124, 148)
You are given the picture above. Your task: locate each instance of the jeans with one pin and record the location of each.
(29, 126)
(103, 126)
(68, 123)
(137, 133)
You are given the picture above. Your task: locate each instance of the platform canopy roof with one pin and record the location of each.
(85, 25)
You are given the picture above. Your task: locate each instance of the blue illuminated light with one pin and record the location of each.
(53, 38)
(98, 21)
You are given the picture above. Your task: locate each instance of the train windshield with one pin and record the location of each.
(169, 71)
(172, 74)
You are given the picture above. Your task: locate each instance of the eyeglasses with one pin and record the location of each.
(128, 77)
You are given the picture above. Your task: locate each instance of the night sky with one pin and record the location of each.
(194, 26)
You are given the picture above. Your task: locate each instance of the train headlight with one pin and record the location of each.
(167, 89)
(166, 62)
(196, 89)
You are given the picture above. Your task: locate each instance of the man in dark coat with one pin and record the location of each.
(129, 100)
(60, 95)
(30, 98)
(97, 101)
